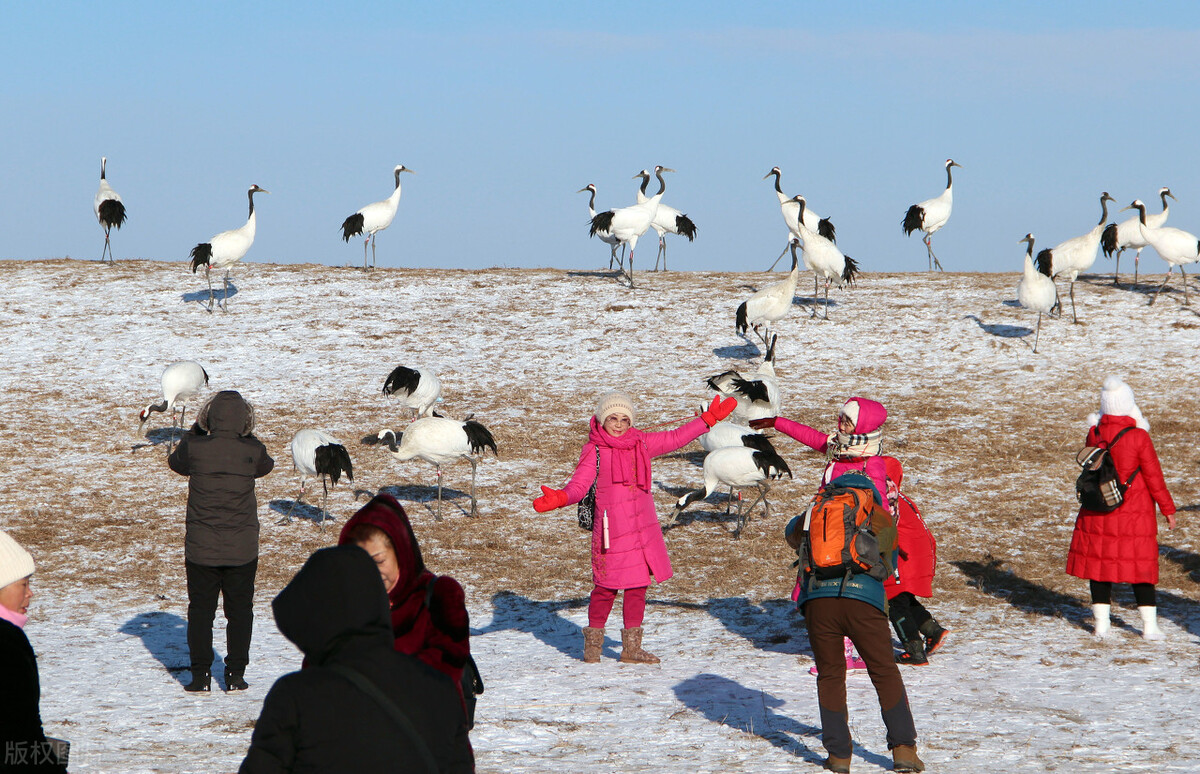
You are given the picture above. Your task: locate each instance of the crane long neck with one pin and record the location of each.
(662, 184)
(1142, 214)
(949, 176)
(592, 200)
(1029, 250)
(800, 213)
(1163, 196)
(397, 173)
(778, 175)
(251, 214)
(1104, 210)
(645, 183)
(104, 161)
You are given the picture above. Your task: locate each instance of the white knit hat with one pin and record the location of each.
(1116, 398)
(611, 403)
(850, 411)
(15, 562)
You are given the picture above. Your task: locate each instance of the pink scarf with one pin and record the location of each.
(629, 462)
(13, 617)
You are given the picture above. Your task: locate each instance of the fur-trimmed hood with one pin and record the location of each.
(227, 411)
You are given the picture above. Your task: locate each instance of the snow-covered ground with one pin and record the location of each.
(987, 431)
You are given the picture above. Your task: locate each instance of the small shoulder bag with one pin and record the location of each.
(587, 506)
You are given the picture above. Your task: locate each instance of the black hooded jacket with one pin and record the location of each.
(221, 457)
(336, 611)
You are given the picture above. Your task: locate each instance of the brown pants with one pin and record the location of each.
(829, 619)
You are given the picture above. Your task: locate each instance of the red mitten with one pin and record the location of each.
(718, 410)
(550, 499)
(762, 424)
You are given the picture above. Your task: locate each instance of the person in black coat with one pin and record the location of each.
(23, 743)
(318, 720)
(221, 458)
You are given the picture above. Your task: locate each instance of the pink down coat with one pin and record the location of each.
(636, 549)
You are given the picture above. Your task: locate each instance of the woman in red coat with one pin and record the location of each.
(1122, 546)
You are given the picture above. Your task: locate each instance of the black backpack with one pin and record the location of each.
(1098, 487)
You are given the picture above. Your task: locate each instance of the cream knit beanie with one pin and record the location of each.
(15, 562)
(850, 411)
(1116, 398)
(613, 402)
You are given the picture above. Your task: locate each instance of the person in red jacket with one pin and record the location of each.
(428, 621)
(1122, 546)
(919, 632)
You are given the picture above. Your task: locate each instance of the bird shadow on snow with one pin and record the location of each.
(735, 706)
(427, 496)
(747, 351)
(218, 294)
(770, 626)
(300, 511)
(165, 636)
(988, 576)
(159, 436)
(1000, 329)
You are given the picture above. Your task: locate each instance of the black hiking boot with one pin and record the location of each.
(914, 653)
(235, 681)
(201, 682)
(935, 635)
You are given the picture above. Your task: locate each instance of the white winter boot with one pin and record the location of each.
(1150, 630)
(1102, 624)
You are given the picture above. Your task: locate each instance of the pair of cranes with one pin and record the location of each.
(624, 226)
(318, 454)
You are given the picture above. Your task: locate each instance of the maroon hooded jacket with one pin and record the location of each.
(437, 633)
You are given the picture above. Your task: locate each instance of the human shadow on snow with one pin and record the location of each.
(1027, 596)
(775, 625)
(1188, 561)
(1000, 329)
(731, 704)
(164, 635)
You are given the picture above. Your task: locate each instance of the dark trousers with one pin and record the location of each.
(1143, 593)
(830, 619)
(907, 615)
(236, 586)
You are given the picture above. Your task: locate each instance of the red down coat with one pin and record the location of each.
(1122, 546)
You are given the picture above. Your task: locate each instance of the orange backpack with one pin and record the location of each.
(840, 541)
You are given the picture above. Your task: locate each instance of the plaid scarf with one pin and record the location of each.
(854, 444)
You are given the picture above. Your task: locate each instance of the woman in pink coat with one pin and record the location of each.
(627, 540)
(1122, 546)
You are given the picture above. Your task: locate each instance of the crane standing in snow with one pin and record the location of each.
(418, 388)
(375, 217)
(226, 249)
(770, 304)
(1074, 256)
(757, 392)
(1174, 245)
(667, 220)
(628, 224)
(181, 381)
(604, 236)
(317, 454)
(738, 467)
(930, 215)
(1036, 291)
(824, 258)
(791, 211)
(109, 209)
(1127, 235)
(440, 441)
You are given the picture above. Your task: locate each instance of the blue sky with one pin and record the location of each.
(505, 111)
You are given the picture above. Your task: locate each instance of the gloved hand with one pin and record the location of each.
(762, 424)
(550, 499)
(718, 410)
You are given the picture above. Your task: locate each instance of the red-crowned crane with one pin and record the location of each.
(757, 392)
(1074, 256)
(317, 454)
(1036, 291)
(440, 441)
(375, 217)
(604, 236)
(1127, 235)
(739, 467)
(628, 224)
(1174, 245)
(824, 258)
(930, 215)
(791, 210)
(226, 249)
(181, 381)
(667, 220)
(109, 209)
(417, 388)
(770, 304)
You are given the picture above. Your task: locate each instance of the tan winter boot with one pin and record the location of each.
(593, 643)
(904, 758)
(631, 648)
(837, 765)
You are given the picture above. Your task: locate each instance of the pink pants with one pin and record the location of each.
(633, 609)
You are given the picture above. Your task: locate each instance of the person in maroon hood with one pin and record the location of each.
(429, 612)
